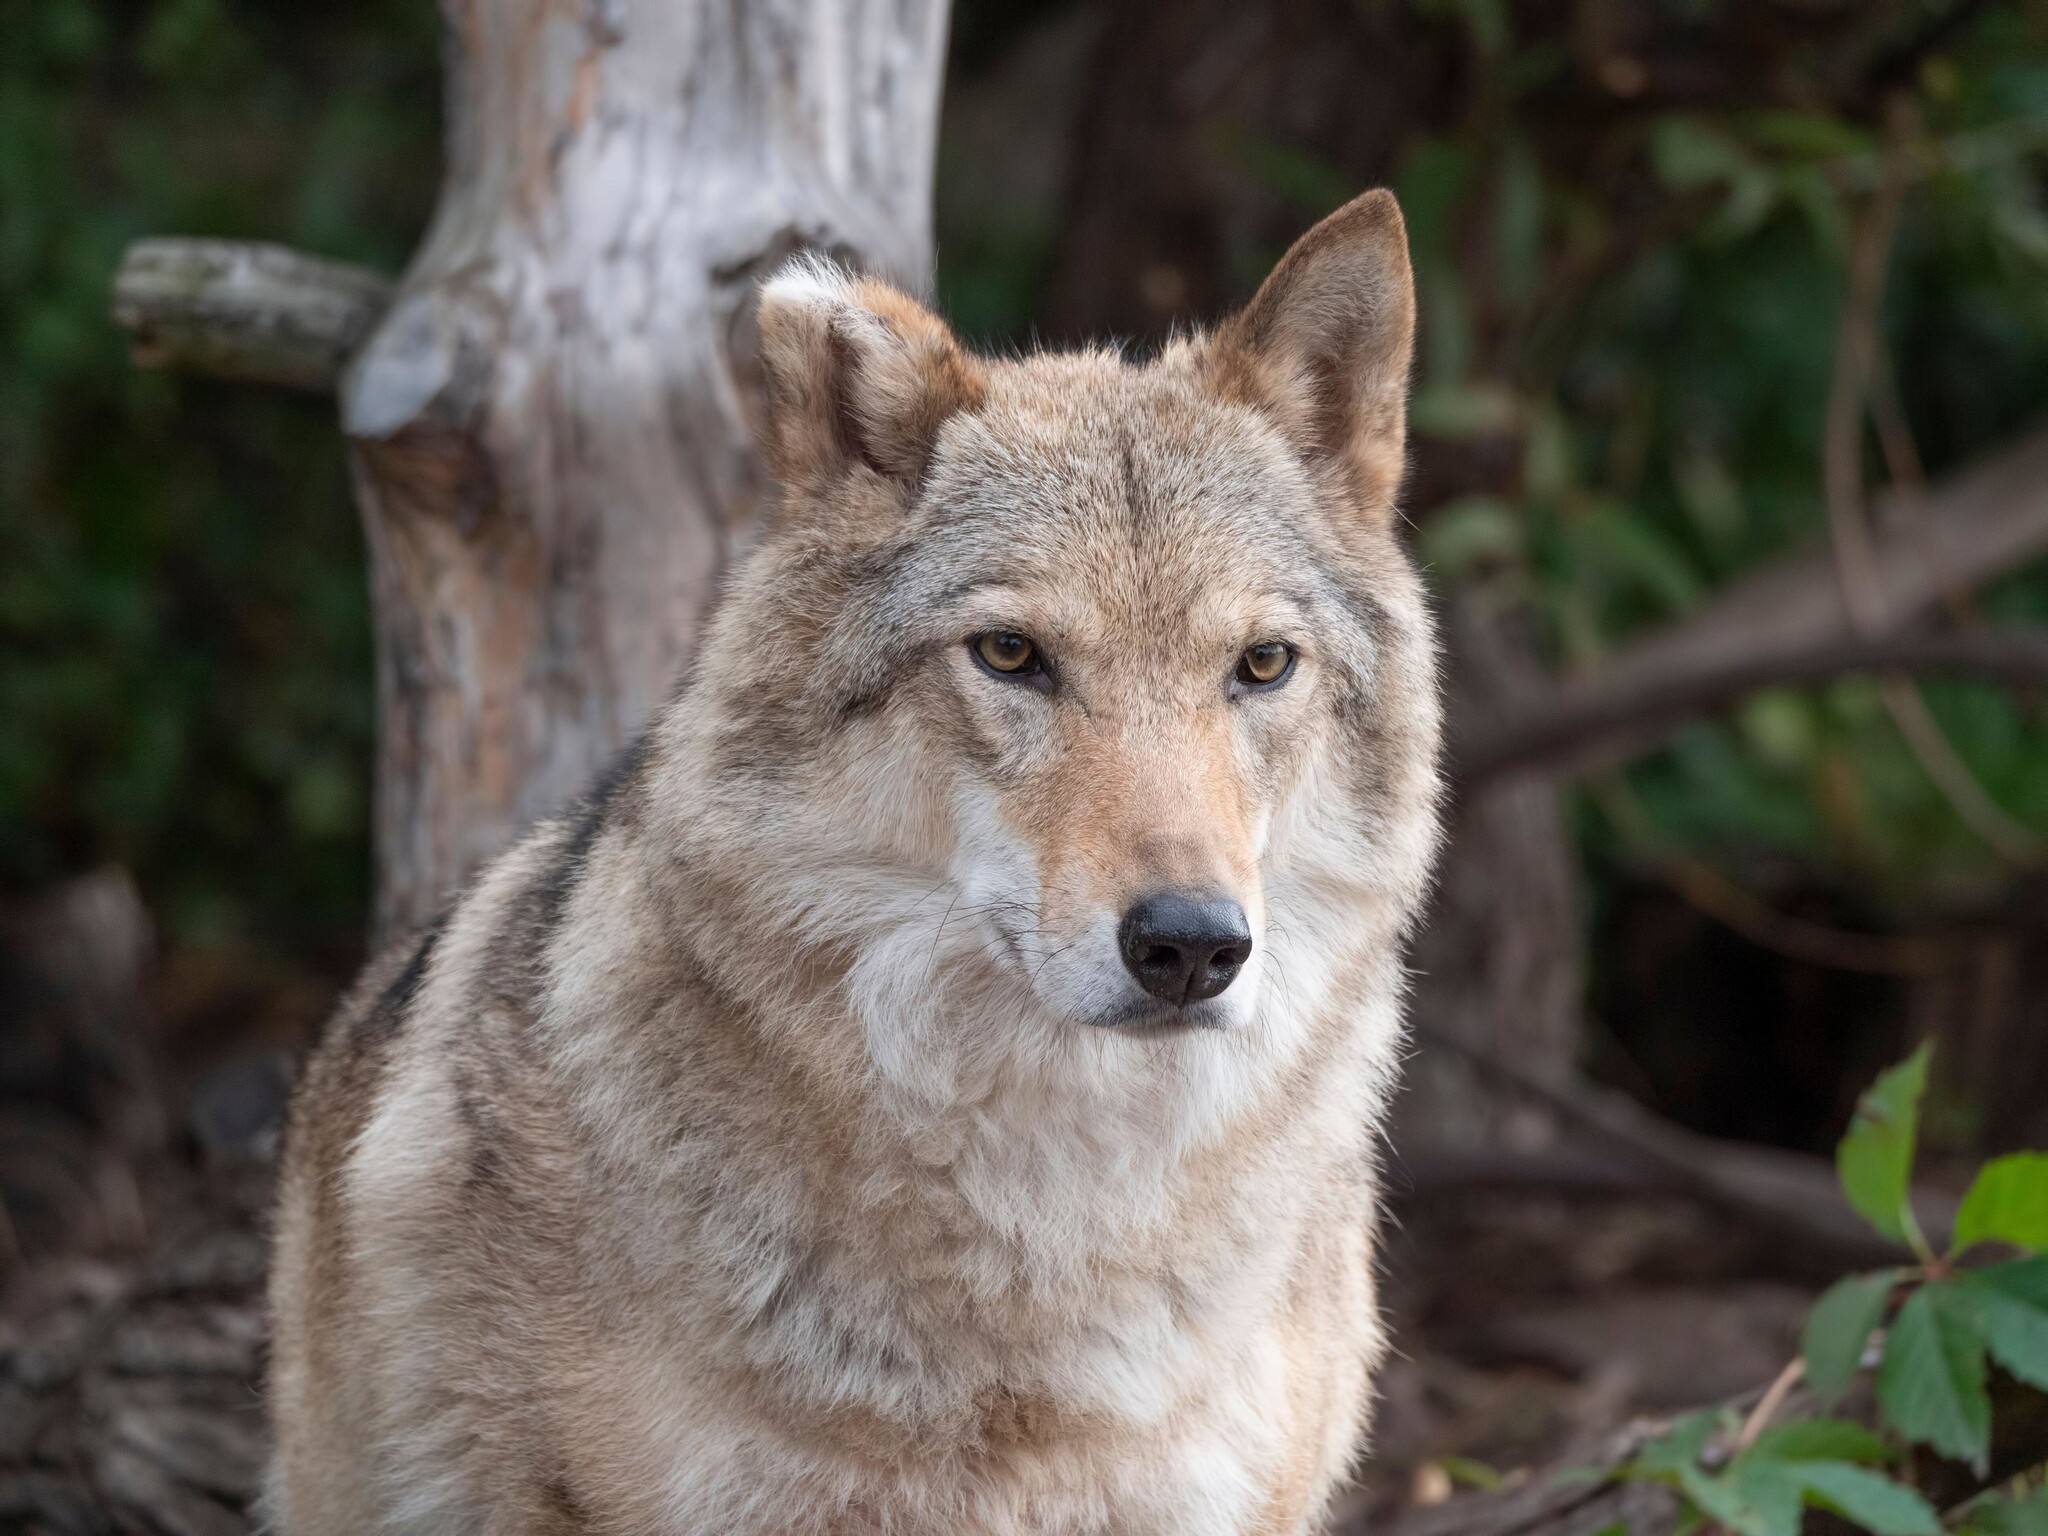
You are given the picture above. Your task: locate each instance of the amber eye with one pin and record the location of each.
(1264, 664)
(1007, 653)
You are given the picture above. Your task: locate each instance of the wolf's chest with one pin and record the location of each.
(1017, 1459)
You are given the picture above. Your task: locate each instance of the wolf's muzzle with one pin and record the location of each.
(1184, 949)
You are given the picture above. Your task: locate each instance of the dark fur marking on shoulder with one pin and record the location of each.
(1134, 508)
(381, 1022)
(552, 891)
(486, 1140)
(561, 1503)
(758, 744)
(792, 1283)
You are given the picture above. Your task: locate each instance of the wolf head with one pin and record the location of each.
(1106, 685)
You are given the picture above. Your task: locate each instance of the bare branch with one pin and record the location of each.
(245, 311)
(1544, 1506)
(1789, 623)
(1791, 1193)
(1597, 724)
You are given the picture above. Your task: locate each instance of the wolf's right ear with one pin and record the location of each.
(1323, 348)
(860, 376)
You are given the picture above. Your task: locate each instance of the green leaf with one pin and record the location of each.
(2000, 1516)
(1473, 1474)
(1761, 1499)
(1688, 154)
(1875, 1159)
(2022, 1279)
(2008, 1203)
(1770, 1493)
(1681, 1444)
(2010, 1305)
(2017, 1336)
(1818, 1440)
(1931, 1381)
(1839, 1327)
(1807, 135)
(1868, 1498)
(1807, 189)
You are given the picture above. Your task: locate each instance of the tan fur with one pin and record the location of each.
(777, 1144)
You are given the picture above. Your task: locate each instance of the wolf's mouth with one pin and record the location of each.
(1146, 1018)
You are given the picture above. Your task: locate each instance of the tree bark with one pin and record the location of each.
(1498, 959)
(240, 311)
(551, 424)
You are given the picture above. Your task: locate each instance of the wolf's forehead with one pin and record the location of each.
(1084, 544)
(1124, 461)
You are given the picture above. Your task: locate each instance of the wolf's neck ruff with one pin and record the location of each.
(932, 1087)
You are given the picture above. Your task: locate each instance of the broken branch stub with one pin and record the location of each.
(239, 310)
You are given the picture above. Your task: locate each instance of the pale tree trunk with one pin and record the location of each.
(550, 424)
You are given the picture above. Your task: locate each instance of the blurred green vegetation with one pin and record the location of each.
(184, 643)
(1676, 438)
(1637, 316)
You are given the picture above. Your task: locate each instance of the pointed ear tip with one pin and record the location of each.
(1375, 216)
(807, 281)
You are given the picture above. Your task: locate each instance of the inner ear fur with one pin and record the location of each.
(860, 376)
(1324, 347)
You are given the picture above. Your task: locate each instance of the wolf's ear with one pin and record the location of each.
(859, 376)
(1323, 347)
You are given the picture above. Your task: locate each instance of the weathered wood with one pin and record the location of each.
(245, 311)
(550, 426)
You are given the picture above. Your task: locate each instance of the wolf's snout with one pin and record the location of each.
(1183, 949)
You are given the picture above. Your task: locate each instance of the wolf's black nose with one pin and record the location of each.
(1182, 949)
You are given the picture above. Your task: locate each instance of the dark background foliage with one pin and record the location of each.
(184, 645)
(1632, 224)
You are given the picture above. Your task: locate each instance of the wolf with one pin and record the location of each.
(932, 1086)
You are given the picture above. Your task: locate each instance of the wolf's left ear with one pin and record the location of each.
(1324, 346)
(860, 377)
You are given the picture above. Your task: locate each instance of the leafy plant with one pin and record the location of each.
(1953, 1313)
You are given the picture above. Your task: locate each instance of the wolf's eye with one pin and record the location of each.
(1264, 664)
(1008, 654)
